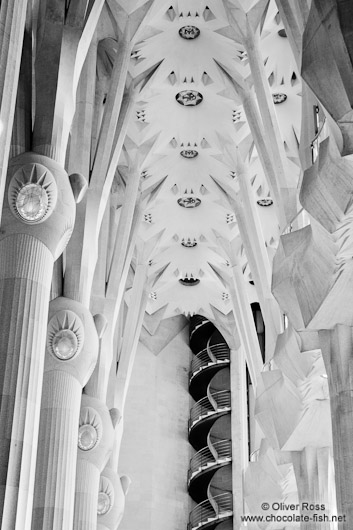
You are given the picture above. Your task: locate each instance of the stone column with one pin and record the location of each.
(336, 346)
(24, 289)
(239, 432)
(111, 499)
(313, 280)
(38, 217)
(71, 353)
(95, 442)
(311, 467)
(12, 24)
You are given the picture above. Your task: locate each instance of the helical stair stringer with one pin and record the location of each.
(209, 432)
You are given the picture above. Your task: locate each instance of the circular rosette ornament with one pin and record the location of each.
(189, 32)
(32, 193)
(189, 98)
(65, 335)
(105, 496)
(90, 429)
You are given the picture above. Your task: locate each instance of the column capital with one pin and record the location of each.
(39, 201)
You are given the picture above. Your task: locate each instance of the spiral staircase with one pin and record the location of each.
(210, 472)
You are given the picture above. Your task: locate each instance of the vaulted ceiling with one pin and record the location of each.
(200, 135)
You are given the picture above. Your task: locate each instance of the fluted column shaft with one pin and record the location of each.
(64, 377)
(53, 505)
(86, 498)
(28, 248)
(26, 267)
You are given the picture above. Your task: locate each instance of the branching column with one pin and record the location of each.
(312, 282)
(71, 353)
(95, 442)
(38, 217)
(111, 499)
(12, 24)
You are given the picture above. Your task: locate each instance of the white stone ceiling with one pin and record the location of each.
(218, 130)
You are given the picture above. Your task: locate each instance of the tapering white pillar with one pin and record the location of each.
(38, 217)
(95, 442)
(12, 24)
(336, 346)
(26, 268)
(111, 499)
(239, 432)
(71, 353)
(311, 467)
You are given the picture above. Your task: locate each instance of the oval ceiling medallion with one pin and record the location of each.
(279, 98)
(267, 201)
(189, 98)
(189, 32)
(189, 282)
(189, 153)
(189, 202)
